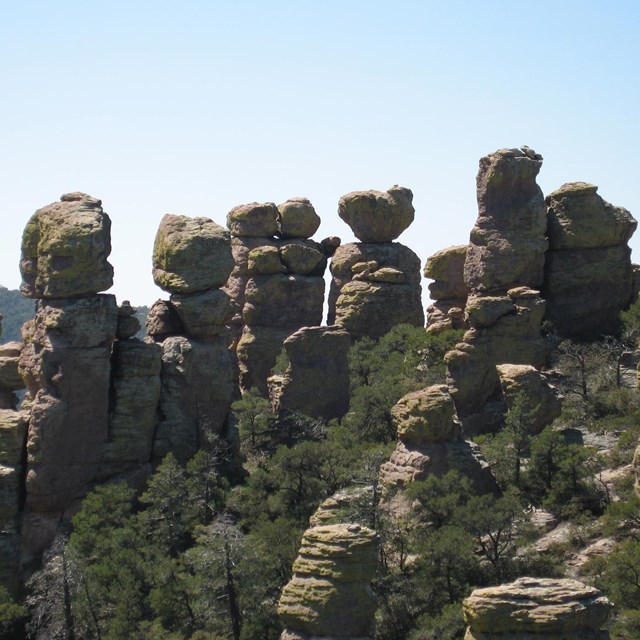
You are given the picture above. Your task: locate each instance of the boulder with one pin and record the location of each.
(10, 378)
(376, 216)
(253, 220)
(531, 608)
(316, 382)
(527, 390)
(191, 254)
(507, 243)
(203, 314)
(424, 416)
(303, 258)
(163, 321)
(297, 219)
(446, 269)
(329, 595)
(128, 324)
(65, 247)
(265, 261)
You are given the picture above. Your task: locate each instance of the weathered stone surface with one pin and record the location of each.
(376, 216)
(578, 218)
(444, 315)
(163, 321)
(446, 269)
(204, 314)
(66, 364)
(297, 219)
(424, 416)
(65, 247)
(13, 429)
(329, 594)
(135, 391)
(191, 254)
(316, 382)
(537, 399)
(485, 311)
(542, 607)
(257, 351)
(283, 301)
(507, 243)
(253, 220)
(195, 397)
(128, 324)
(265, 261)
(10, 379)
(373, 309)
(329, 245)
(303, 258)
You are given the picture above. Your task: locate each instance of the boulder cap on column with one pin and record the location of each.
(297, 218)
(376, 216)
(191, 254)
(65, 247)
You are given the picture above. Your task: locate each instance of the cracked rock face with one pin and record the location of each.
(329, 594)
(532, 608)
(588, 272)
(65, 247)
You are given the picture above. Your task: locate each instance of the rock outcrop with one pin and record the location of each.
(448, 290)
(316, 382)
(276, 282)
(532, 608)
(376, 283)
(192, 259)
(329, 595)
(429, 443)
(503, 271)
(588, 276)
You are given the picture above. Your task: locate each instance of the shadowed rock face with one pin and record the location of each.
(316, 382)
(329, 594)
(65, 247)
(532, 608)
(508, 242)
(588, 272)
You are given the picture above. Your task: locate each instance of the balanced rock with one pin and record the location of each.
(508, 243)
(588, 271)
(205, 313)
(316, 382)
(128, 324)
(297, 219)
(163, 321)
(329, 595)
(532, 608)
(191, 254)
(65, 247)
(376, 216)
(446, 269)
(10, 379)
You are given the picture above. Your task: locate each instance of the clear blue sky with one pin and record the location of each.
(193, 107)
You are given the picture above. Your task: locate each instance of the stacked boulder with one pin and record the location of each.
(503, 272)
(588, 275)
(329, 595)
(66, 358)
(376, 282)
(192, 260)
(429, 443)
(277, 281)
(13, 429)
(448, 289)
(316, 382)
(537, 609)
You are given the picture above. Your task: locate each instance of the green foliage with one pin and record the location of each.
(630, 320)
(16, 310)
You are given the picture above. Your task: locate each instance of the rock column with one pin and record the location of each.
(376, 282)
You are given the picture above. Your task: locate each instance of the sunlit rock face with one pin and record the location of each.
(376, 282)
(65, 247)
(537, 608)
(329, 595)
(588, 271)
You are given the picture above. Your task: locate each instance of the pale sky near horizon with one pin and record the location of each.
(193, 107)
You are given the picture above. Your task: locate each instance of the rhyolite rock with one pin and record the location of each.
(446, 269)
(508, 242)
(316, 382)
(10, 379)
(376, 216)
(191, 254)
(528, 391)
(65, 247)
(532, 608)
(329, 595)
(424, 416)
(253, 220)
(128, 324)
(163, 321)
(297, 219)
(205, 313)
(588, 272)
